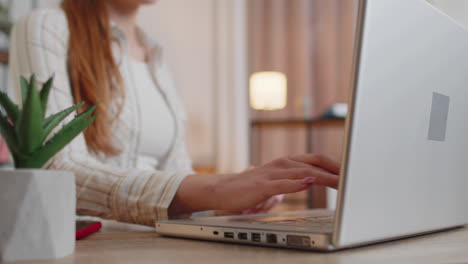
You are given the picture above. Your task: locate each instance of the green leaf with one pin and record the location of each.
(45, 93)
(52, 121)
(24, 88)
(29, 130)
(59, 140)
(11, 108)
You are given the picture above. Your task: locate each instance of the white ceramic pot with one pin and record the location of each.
(37, 214)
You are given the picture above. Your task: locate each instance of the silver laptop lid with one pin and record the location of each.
(407, 149)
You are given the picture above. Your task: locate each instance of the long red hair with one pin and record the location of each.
(94, 74)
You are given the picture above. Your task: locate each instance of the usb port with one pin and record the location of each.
(271, 238)
(228, 235)
(256, 237)
(242, 236)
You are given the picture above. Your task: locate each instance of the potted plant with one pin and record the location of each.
(37, 206)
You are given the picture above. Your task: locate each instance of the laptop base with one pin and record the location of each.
(288, 230)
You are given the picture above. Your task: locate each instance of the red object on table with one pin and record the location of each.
(4, 152)
(87, 228)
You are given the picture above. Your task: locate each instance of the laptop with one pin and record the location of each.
(405, 164)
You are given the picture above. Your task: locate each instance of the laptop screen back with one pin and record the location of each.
(407, 153)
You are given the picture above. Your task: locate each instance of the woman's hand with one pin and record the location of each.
(240, 191)
(264, 207)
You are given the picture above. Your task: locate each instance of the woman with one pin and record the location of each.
(131, 164)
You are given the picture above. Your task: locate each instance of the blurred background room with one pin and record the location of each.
(258, 77)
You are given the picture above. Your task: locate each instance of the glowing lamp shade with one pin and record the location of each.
(268, 90)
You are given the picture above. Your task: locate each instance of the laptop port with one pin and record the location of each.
(256, 237)
(215, 233)
(242, 236)
(298, 241)
(271, 238)
(228, 235)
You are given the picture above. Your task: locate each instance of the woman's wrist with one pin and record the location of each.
(197, 192)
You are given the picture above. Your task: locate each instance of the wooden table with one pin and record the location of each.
(143, 245)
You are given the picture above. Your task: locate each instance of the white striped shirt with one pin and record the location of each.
(109, 187)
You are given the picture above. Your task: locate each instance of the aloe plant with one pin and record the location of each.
(26, 130)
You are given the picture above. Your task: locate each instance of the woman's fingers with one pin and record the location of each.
(286, 186)
(319, 161)
(266, 206)
(270, 203)
(226, 213)
(322, 178)
(286, 163)
(328, 180)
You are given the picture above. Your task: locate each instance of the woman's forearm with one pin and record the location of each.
(197, 192)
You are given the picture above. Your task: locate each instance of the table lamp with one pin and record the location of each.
(268, 90)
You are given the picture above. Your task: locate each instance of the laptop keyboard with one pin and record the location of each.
(314, 221)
